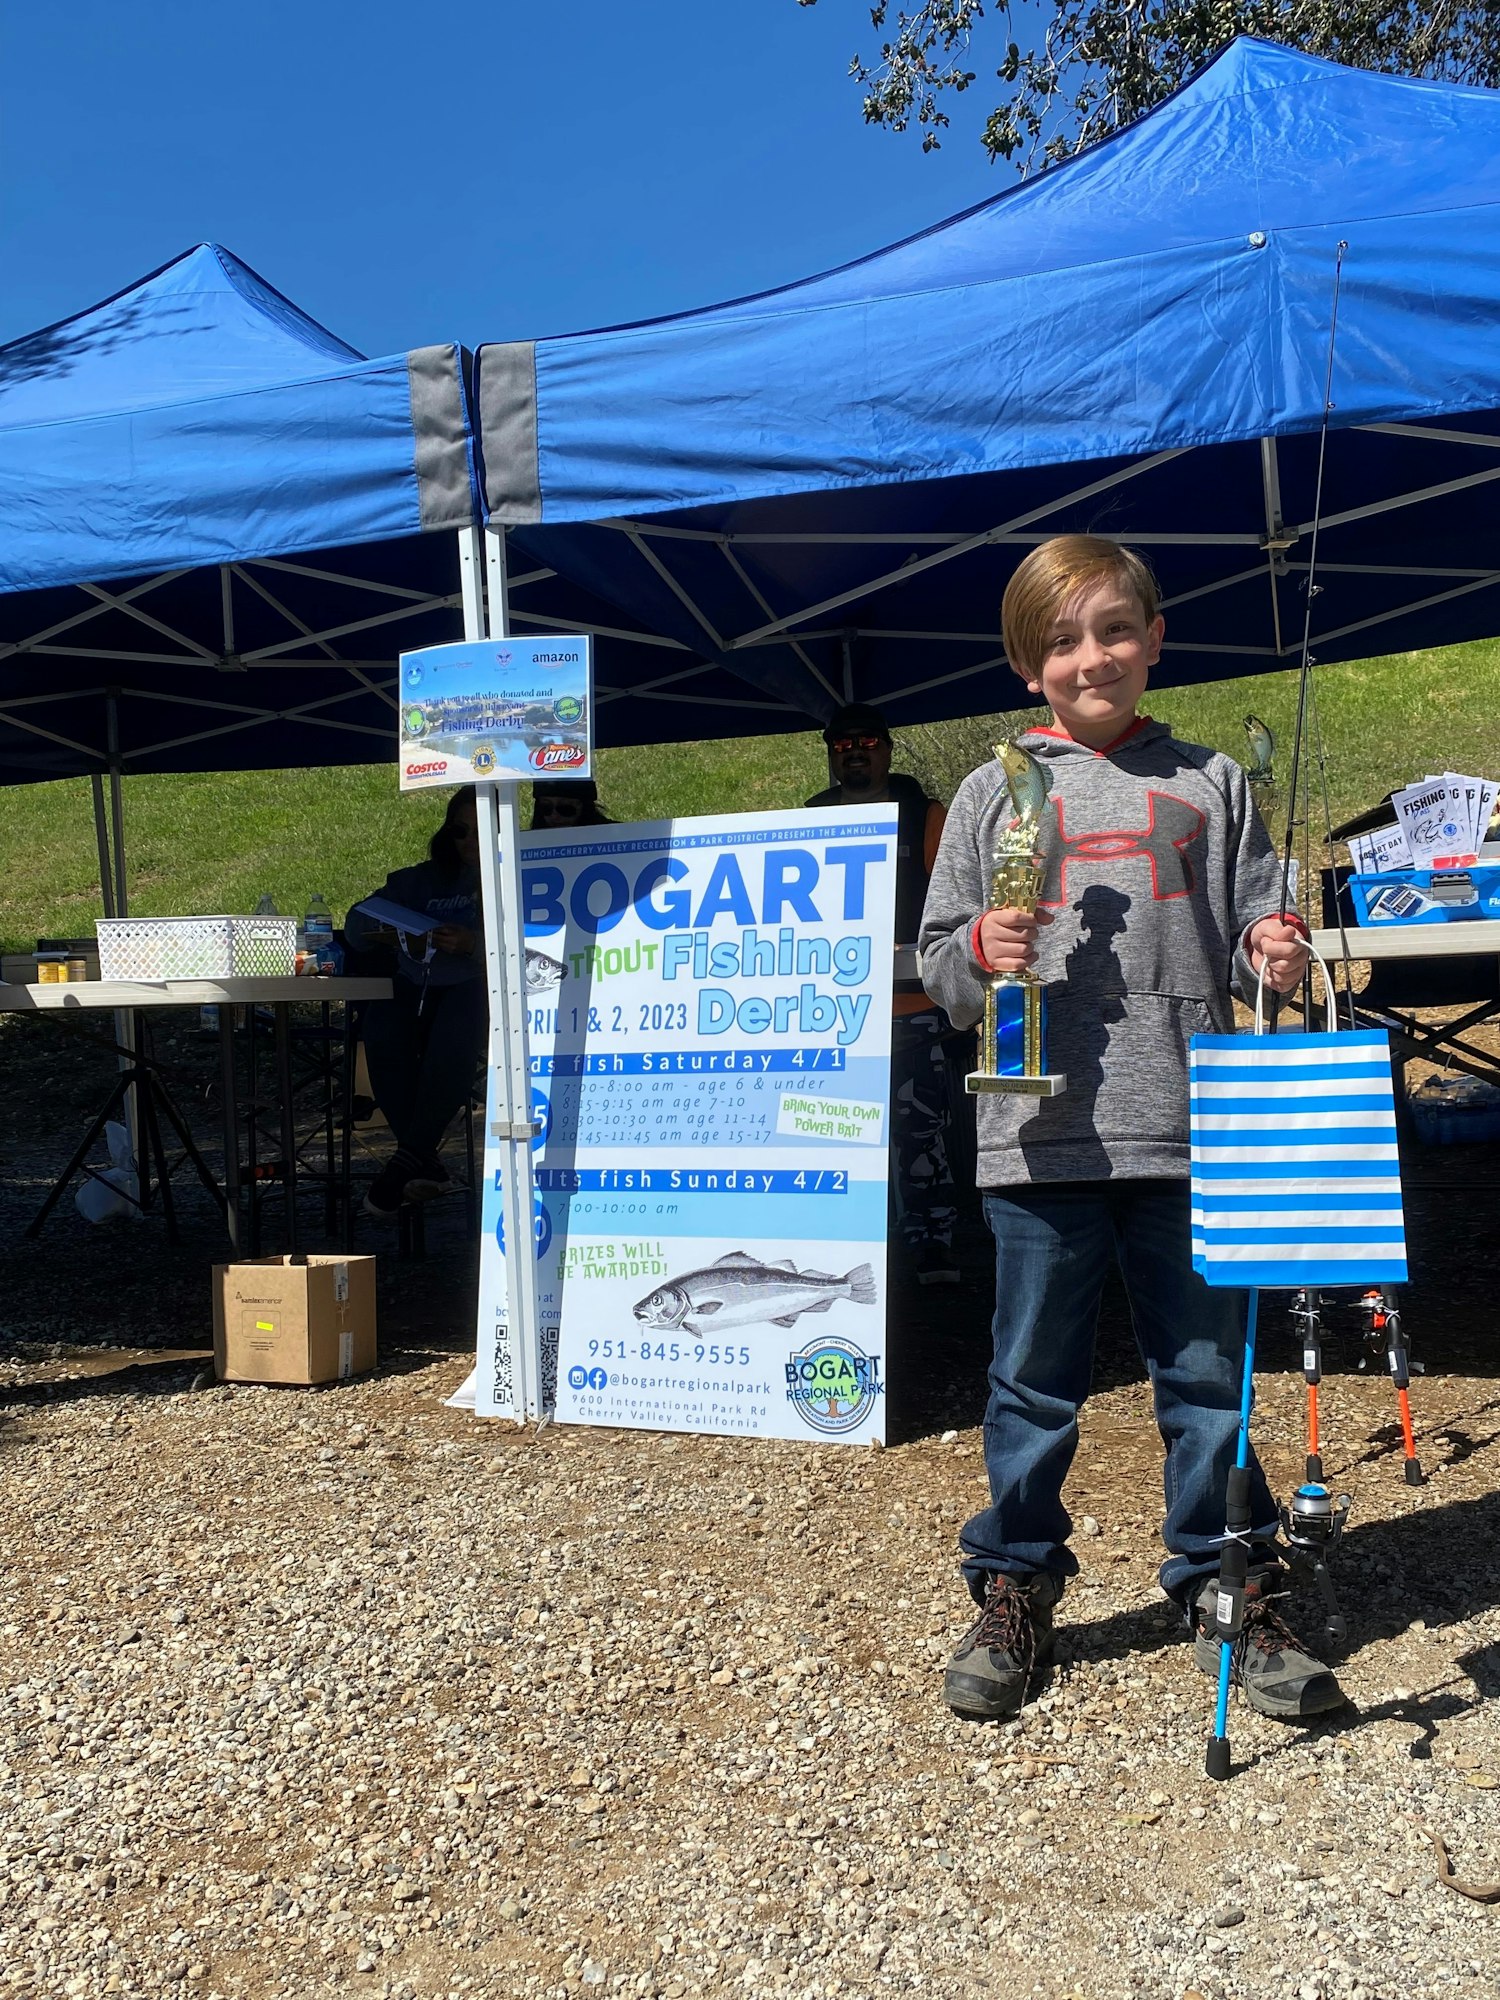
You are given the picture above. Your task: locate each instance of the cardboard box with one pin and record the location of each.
(277, 1319)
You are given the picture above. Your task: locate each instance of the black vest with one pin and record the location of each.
(911, 803)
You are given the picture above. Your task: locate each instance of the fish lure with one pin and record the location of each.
(1028, 781)
(1262, 751)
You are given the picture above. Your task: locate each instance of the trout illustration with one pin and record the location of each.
(740, 1290)
(542, 973)
(1028, 781)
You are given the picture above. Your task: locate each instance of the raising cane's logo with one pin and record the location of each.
(559, 757)
(431, 770)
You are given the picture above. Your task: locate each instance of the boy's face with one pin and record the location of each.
(1097, 653)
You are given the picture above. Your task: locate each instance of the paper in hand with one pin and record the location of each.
(396, 916)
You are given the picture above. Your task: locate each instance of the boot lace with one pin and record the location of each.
(1005, 1623)
(1267, 1632)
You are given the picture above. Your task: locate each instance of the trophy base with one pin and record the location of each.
(978, 1084)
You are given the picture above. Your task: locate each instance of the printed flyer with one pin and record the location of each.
(709, 1017)
(496, 708)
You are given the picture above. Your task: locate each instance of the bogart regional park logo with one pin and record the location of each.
(833, 1385)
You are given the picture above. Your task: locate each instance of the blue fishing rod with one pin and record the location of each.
(1234, 1553)
(1234, 1557)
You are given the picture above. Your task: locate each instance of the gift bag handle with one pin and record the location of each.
(1328, 994)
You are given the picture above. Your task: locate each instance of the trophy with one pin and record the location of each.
(1013, 1047)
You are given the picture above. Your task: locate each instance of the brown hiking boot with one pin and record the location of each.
(1279, 1674)
(1004, 1650)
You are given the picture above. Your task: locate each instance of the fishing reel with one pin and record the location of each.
(1314, 1518)
(1312, 1523)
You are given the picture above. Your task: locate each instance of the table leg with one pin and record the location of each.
(346, 1142)
(153, 1149)
(114, 1102)
(330, 1183)
(283, 1037)
(229, 1091)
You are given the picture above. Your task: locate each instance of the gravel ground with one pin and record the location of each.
(341, 1691)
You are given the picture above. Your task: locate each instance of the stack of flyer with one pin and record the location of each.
(1441, 822)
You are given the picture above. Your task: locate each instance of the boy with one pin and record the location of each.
(1160, 891)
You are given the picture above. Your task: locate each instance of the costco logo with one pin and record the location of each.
(432, 770)
(559, 757)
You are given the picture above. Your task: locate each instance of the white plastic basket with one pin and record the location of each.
(197, 947)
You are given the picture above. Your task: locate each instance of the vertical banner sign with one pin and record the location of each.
(496, 708)
(709, 1012)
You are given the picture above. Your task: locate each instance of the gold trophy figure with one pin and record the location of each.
(1013, 1048)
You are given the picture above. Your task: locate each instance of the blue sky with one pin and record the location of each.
(420, 173)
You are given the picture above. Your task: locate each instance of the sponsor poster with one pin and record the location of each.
(496, 708)
(709, 1014)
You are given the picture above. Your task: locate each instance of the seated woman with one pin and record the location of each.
(424, 1043)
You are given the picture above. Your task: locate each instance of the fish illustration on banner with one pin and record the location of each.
(739, 1290)
(542, 972)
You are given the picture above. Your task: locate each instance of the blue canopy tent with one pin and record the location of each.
(204, 496)
(822, 490)
(219, 524)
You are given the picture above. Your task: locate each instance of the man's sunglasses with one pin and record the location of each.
(840, 745)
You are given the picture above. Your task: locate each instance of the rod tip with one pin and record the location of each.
(1216, 1762)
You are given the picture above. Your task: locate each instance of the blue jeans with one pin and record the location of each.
(1054, 1242)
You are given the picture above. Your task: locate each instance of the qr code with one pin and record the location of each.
(549, 1369)
(505, 1392)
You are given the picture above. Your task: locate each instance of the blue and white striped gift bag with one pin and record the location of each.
(1294, 1170)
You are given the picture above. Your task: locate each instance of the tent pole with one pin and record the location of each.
(116, 799)
(126, 1023)
(1277, 540)
(482, 559)
(101, 841)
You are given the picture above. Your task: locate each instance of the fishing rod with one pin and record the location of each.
(1305, 674)
(1306, 1536)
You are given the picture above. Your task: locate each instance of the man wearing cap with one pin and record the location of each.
(564, 802)
(859, 762)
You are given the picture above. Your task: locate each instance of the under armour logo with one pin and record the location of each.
(1172, 825)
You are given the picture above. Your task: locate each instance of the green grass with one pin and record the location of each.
(216, 842)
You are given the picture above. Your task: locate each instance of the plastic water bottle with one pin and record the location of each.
(317, 935)
(266, 907)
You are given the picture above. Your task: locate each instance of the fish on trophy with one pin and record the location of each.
(1262, 749)
(542, 973)
(1028, 781)
(739, 1290)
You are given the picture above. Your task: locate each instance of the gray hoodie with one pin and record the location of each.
(1157, 864)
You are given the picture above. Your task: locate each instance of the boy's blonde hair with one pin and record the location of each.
(1051, 577)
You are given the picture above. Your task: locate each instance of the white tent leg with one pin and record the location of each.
(509, 1087)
